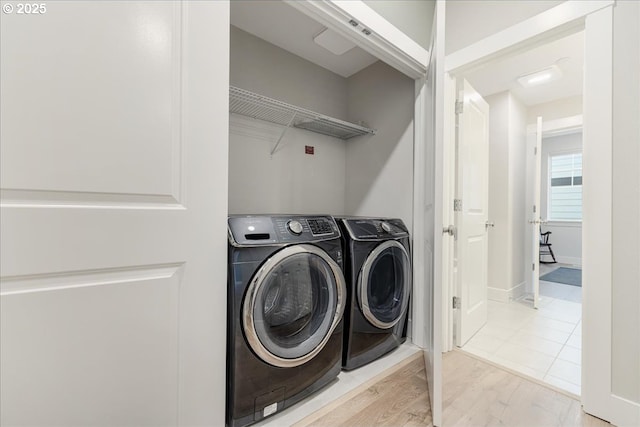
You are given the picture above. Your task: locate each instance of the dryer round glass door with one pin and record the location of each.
(384, 284)
(293, 304)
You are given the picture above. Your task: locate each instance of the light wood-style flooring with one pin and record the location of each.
(475, 394)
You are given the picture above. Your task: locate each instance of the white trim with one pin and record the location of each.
(554, 21)
(438, 131)
(448, 215)
(385, 41)
(563, 223)
(418, 317)
(506, 295)
(558, 127)
(569, 260)
(597, 216)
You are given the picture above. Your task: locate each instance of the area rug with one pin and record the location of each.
(568, 276)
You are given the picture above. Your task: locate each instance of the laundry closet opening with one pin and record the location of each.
(273, 54)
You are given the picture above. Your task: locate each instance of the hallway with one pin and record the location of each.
(544, 344)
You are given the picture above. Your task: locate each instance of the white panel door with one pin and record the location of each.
(113, 205)
(535, 221)
(472, 214)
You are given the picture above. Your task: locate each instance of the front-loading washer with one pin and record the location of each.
(379, 280)
(286, 298)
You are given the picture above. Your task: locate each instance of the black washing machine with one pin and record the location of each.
(379, 280)
(286, 299)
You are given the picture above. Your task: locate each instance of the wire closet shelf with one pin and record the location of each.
(260, 107)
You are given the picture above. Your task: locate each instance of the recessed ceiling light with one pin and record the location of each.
(543, 76)
(333, 42)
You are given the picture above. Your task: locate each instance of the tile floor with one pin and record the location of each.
(544, 344)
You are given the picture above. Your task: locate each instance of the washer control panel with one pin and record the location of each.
(375, 229)
(261, 230)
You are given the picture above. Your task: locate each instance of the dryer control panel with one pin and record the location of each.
(375, 229)
(262, 230)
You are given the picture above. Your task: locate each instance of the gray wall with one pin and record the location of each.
(289, 180)
(626, 201)
(264, 68)
(566, 237)
(413, 17)
(379, 177)
(368, 175)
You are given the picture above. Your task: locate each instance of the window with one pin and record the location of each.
(565, 187)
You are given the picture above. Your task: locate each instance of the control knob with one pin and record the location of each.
(295, 227)
(386, 227)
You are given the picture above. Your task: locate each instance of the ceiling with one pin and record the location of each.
(282, 25)
(501, 75)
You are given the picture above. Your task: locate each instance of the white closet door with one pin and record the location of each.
(114, 194)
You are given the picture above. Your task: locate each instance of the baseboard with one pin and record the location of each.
(506, 295)
(569, 260)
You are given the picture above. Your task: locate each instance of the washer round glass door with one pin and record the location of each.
(384, 284)
(292, 305)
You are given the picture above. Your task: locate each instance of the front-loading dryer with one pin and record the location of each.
(286, 298)
(379, 280)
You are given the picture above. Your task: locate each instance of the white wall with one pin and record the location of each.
(517, 191)
(567, 107)
(507, 196)
(498, 274)
(289, 181)
(379, 176)
(414, 18)
(566, 237)
(626, 203)
(468, 21)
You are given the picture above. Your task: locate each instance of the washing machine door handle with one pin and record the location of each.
(364, 279)
(255, 295)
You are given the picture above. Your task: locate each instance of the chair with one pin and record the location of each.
(545, 248)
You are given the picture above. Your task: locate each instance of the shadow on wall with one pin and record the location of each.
(379, 175)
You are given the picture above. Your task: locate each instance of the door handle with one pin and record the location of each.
(451, 231)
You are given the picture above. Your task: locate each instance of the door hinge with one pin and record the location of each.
(533, 266)
(457, 302)
(459, 107)
(457, 205)
(534, 208)
(535, 151)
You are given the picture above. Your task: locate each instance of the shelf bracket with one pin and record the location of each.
(284, 131)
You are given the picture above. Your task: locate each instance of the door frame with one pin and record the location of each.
(596, 18)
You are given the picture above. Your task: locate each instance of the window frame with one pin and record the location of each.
(550, 155)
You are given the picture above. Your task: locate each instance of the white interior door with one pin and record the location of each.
(471, 210)
(535, 221)
(113, 214)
